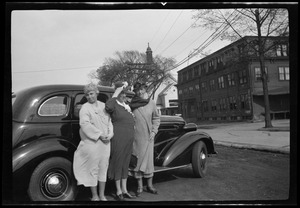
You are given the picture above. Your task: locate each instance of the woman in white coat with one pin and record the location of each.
(147, 121)
(92, 155)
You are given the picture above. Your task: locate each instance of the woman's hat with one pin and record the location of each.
(138, 85)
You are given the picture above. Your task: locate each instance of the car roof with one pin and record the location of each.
(27, 97)
(63, 87)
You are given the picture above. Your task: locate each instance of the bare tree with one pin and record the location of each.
(131, 66)
(233, 24)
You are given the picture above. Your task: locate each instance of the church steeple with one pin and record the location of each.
(149, 55)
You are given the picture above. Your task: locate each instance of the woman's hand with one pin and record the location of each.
(105, 139)
(125, 84)
(152, 136)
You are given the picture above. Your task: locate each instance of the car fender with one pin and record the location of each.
(27, 152)
(184, 142)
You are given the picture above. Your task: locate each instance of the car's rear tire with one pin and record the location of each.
(53, 180)
(199, 159)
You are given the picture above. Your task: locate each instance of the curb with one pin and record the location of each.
(254, 147)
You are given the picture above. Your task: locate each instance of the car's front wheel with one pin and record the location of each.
(199, 159)
(52, 180)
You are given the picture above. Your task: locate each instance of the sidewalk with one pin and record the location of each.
(251, 135)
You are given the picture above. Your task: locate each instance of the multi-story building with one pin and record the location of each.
(226, 85)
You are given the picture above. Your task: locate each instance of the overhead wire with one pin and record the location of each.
(179, 36)
(160, 26)
(213, 36)
(178, 64)
(168, 31)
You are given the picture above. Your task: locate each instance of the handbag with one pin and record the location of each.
(133, 161)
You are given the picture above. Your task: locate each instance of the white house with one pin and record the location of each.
(166, 97)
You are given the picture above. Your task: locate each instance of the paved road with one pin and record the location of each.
(234, 176)
(251, 135)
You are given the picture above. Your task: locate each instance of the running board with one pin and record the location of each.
(160, 169)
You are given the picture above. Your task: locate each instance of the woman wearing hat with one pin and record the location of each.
(92, 155)
(121, 143)
(147, 120)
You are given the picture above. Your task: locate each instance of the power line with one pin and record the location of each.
(192, 43)
(213, 39)
(169, 30)
(179, 36)
(160, 26)
(54, 69)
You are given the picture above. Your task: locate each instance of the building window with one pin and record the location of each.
(173, 103)
(284, 73)
(219, 60)
(196, 71)
(180, 78)
(203, 68)
(241, 49)
(244, 102)
(180, 92)
(212, 85)
(231, 79)
(197, 87)
(222, 104)
(281, 50)
(213, 105)
(232, 103)
(185, 91)
(205, 105)
(258, 73)
(191, 89)
(204, 86)
(190, 75)
(221, 82)
(211, 65)
(185, 76)
(243, 76)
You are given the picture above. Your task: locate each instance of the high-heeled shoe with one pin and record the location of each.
(120, 197)
(152, 190)
(139, 191)
(128, 196)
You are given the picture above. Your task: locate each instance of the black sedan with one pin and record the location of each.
(45, 125)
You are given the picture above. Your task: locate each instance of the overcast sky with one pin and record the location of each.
(64, 46)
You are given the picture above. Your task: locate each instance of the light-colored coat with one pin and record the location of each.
(92, 155)
(147, 120)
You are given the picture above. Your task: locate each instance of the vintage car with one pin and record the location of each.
(45, 130)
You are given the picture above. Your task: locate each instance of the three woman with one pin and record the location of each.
(91, 158)
(133, 129)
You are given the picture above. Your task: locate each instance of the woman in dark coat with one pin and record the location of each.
(121, 143)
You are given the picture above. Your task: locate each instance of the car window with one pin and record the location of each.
(54, 106)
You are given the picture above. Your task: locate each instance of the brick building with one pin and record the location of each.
(226, 85)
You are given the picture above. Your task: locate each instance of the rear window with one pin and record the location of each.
(54, 106)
